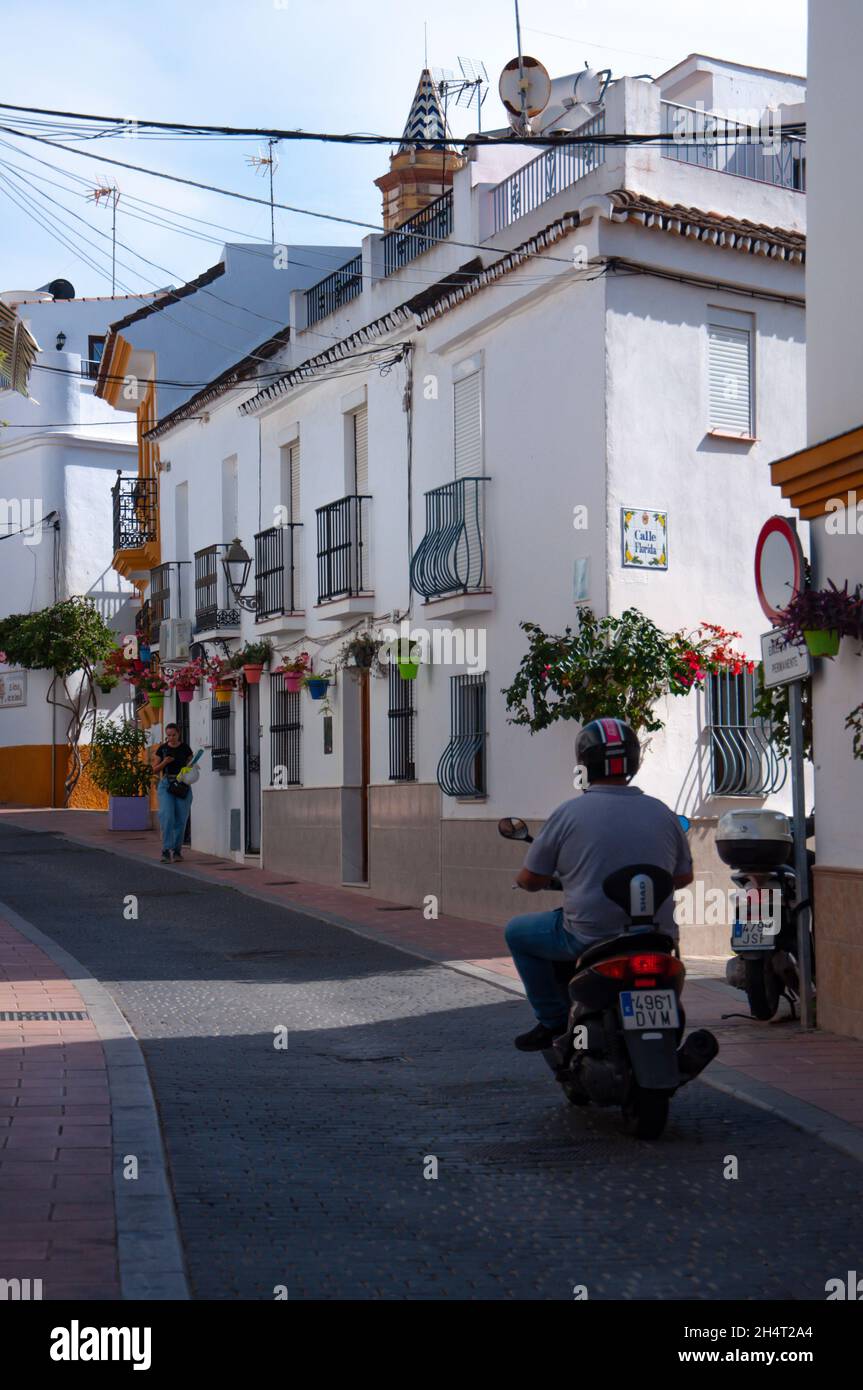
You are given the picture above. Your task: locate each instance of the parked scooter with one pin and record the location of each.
(759, 845)
(622, 1044)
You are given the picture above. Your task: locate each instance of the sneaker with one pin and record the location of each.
(178, 858)
(539, 1038)
(166, 856)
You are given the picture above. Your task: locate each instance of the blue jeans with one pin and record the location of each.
(536, 941)
(173, 815)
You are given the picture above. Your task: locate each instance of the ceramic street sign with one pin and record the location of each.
(644, 537)
(783, 663)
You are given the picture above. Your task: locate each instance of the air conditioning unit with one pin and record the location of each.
(175, 635)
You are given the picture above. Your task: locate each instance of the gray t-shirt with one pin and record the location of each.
(591, 836)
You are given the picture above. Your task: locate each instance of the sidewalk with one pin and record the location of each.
(814, 1080)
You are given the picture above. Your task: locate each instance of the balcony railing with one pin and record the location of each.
(277, 573)
(418, 234)
(712, 142)
(144, 623)
(336, 289)
(450, 558)
(555, 169)
(213, 606)
(135, 512)
(166, 592)
(343, 548)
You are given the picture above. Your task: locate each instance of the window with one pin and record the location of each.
(360, 437)
(289, 492)
(462, 767)
(285, 732)
(730, 337)
(743, 756)
(95, 348)
(401, 725)
(221, 731)
(467, 421)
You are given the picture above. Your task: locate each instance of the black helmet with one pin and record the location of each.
(608, 748)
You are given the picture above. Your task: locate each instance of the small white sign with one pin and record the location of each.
(783, 663)
(13, 689)
(644, 539)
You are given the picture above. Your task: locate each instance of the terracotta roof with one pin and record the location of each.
(238, 374)
(718, 229)
(172, 296)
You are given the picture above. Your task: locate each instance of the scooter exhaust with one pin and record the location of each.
(696, 1053)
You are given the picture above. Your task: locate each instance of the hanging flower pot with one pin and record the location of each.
(294, 681)
(144, 653)
(223, 694)
(253, 671)
(185, 696)
(822, 641)
(156, 698)
(317, 686)
(408, 670)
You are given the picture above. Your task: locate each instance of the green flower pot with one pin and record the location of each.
(156, 698)
(822, 641)
(408, 670)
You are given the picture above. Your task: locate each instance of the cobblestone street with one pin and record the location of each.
(305, 1167)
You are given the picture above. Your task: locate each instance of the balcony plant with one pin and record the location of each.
(295, 671)
(252, 658)
(118, 766)
(222, 677)
(361, 653)
(153, 684)
(318, 684)
(187, 678)
(616, 666)
(822, 617)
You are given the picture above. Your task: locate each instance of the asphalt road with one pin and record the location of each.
(305, 1167)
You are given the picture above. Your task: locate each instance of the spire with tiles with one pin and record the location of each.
(426, 125)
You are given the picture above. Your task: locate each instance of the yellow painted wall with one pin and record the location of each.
(25, 778)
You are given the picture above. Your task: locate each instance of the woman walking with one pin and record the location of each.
(168, 759)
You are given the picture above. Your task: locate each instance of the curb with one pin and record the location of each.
(832, 1130)
(149, 1252)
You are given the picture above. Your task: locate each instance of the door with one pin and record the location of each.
(356, 768)
(252, 768)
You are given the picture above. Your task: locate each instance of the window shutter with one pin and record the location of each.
(361, 450)
(294, 477)
(467, 400)
(730, 369)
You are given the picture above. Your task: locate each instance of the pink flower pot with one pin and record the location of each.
(185, 696)
(293, 681)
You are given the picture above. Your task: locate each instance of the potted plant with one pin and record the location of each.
(252, 658)
(187, 679)
(361, 652)
(295, 671)
(222, 680)
(118, 766)
(318, 685)
(408, 658)
(153, 685)
(822, 617)
(107, 681)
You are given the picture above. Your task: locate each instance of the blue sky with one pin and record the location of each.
(340, 66)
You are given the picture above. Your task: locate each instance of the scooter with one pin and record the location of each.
(623, 1041)
(759, 845)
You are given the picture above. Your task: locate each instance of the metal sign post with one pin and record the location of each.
(801, 860)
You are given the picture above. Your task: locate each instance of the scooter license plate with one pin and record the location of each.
(750, 936)
(649, 1008)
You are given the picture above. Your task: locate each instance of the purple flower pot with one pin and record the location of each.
(128, 813)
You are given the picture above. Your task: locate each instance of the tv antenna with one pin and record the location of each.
(471, 85)
(111, 194)
(263, 164)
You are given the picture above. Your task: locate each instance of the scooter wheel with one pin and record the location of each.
(573, 1094)
(763, 988)
(646, 1113)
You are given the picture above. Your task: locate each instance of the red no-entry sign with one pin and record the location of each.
(778, 566)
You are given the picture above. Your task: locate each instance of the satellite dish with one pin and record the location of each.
(537, 88)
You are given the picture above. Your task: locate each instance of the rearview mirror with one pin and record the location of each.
(513, 828)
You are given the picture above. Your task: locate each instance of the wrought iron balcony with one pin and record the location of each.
(166, 592)
(214, 606)
(713, 142)
(557, 168)
(418, 234)
(450, 558)
(343, 548)
(336, 289)
(135, 512)
(277, 572)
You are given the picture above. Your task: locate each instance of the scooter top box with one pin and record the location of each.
(757, 840)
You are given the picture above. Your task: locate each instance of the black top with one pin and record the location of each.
(180, 756)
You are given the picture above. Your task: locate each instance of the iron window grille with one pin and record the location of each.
(401, 714)
(285, 732)
(343, 548)
(144, 623)
(277, 578)
(419, 233)
(450, 558)
(744, 760)
(135, 507)
(334, 290)
(213, 607)
(221, 731)
(462, 769)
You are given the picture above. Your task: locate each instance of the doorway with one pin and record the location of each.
(356, 762)
(252, 768)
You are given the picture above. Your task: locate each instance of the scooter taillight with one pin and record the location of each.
(644, 970)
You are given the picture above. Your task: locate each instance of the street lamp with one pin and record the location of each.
(236, 564)
(61, 340)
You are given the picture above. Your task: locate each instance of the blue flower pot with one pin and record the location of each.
(317, 688)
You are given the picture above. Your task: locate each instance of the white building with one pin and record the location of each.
(824, 482)
(60, 450)
(466, 412)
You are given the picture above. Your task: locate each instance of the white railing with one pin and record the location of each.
(712, 142)
(556, 168)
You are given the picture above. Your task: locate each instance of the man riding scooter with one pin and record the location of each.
(589, 837)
